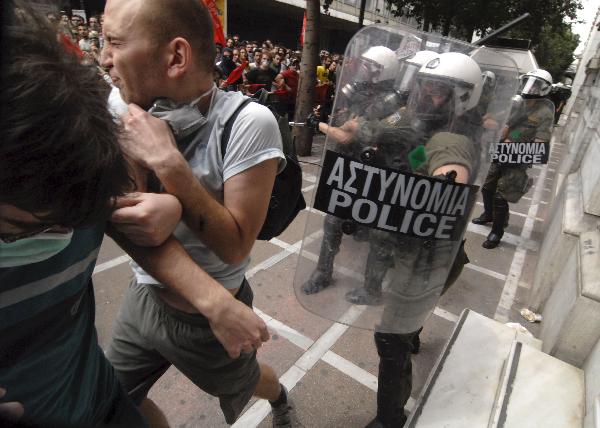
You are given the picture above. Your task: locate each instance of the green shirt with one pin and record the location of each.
(50, 359)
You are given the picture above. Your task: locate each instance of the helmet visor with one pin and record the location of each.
(431, 100)
(367, 70)
(532, 85)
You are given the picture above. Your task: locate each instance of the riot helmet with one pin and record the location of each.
(446, 87)
(372, 85)
(376, 67)
(488, 85)
(535, 84)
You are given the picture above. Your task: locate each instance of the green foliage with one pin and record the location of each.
(554, 52)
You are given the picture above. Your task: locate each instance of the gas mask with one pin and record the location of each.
(184, 119)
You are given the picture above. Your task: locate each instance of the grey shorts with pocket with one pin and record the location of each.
(150, 335)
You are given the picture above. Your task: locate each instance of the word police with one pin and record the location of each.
(391, 200)
(521, 153)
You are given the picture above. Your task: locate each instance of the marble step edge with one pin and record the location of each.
(511, 374)
(439, 364)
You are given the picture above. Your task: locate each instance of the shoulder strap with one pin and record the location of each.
(229, 125)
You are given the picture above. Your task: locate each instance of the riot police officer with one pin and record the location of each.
(422, 137)
(371, 93)
(531, 119)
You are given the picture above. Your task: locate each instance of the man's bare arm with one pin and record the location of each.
(228, 229)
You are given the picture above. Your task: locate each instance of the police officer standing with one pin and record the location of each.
(530, 120)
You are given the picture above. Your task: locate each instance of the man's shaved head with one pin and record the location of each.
(189, 19)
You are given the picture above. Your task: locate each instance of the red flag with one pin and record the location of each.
(303, 30)
(70, 45)
(236, 73)
(218, 28)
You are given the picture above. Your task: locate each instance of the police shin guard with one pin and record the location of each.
(488, 205)
(395, 378)
(330, 246)
(500, 219)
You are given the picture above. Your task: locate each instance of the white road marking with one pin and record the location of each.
(518, 214)
(111, 264)
(485, 271)
(311, 178)
(508, 238)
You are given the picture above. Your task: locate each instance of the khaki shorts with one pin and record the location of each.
(149, 336)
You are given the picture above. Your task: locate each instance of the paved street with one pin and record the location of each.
(329, 368)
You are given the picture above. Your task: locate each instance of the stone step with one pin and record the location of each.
(590, 174)
(462, 387)
(539, 391)
(571, 317)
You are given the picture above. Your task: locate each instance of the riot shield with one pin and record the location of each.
(400, 176)
(526, 140)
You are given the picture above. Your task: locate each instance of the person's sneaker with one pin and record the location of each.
(284, 414)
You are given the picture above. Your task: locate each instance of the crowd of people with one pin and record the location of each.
(241, 65)
(247, 67)
(75, 31)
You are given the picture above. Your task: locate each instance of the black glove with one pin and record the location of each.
(449, 176)
(312, 121)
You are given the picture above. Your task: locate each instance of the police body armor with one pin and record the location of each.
(393, 215)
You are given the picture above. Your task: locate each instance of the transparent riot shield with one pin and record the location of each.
(526, 139)
(400, 175)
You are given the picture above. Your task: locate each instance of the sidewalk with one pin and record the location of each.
(330, 369)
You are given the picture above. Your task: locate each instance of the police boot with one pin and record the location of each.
(500, 218)
(395, 378)
(370, 293)
(330, 246)
(488, 203)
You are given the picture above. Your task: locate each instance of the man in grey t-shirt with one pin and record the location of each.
(224, 199)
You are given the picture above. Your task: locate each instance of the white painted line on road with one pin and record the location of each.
(321, 346)
(485, 271)
(518, 214)
(285, 331)
(539, 202)
(352, 370)
(111, 264)
(311, 178)
(508, 238)
(511, 285)
(442, 313)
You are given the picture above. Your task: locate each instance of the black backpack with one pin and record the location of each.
(286, 198)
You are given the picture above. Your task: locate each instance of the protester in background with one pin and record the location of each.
(263, 74)
(287, 80)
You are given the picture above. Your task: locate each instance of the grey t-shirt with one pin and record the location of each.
(254, 138)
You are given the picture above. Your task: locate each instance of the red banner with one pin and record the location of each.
(218, 28)
(303, 30)
(236, 73)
